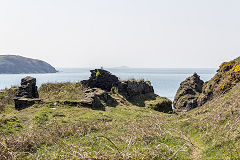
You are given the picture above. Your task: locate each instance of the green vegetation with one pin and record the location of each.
(161, 104)
(136, 80)
(228, 75)
(73, 132)
(6, 98)
(131, 129)
(214, 127)
(61, 92)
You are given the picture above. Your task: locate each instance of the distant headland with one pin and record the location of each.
(14, 64)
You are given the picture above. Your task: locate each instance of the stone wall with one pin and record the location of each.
(28, 88)
(27, 93)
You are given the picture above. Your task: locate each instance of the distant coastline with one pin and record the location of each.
(14, 64)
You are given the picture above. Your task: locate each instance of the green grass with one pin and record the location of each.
(6, 98)
(214, 126)
(129, 131)
(61, 91)
(126, 131)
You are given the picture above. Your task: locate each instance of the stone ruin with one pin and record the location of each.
(101, 79)
(27, 93)
(28, 88)
(106, 81)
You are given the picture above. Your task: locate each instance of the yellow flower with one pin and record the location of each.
(236, 68)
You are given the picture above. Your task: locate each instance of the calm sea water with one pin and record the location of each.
(164, 81)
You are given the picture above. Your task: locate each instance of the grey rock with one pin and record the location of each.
(101, 79)
(131, 88)
(27, 93)
(106, 81)
(28, 88)
(188, 93)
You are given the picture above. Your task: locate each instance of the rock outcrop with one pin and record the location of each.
(131, 88)
(137, 92)
(27, 93)
(227, 76)
(98, 98)
(101, 79)
(188, 93)
(94, 98)
(106, 81)
(13, 64)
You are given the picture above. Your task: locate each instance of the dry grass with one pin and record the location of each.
(15, 146)
(119, 133)
(215, 126)
(61, 91)
(6, 97)
(123, 132)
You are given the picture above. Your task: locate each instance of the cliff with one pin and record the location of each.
(13, 64)
(193, 92)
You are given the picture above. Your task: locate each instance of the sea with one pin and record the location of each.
(165, 81)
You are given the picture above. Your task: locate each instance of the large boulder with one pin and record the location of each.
(188, 92)
(101, 79)
(97, 98)
(132, 88)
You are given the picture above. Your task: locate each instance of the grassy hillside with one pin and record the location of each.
(57, 131)
(228, 75)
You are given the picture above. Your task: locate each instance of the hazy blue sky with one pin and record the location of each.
(136, 33)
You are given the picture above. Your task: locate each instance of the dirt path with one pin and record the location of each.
(197, 149)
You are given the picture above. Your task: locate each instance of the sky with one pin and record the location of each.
(112, 33)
